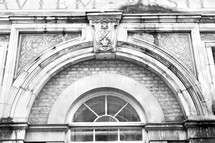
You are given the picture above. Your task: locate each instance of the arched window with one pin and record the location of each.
(106, 116)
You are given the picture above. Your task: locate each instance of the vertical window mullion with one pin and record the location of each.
(105, 104)
(118, 135)
(94, 135)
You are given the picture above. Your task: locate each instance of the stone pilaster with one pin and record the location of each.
(200, 130)
(164, 132)
(11, 132)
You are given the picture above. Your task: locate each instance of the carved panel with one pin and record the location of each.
(104, 34)
(33, 44)
(178, 44)
(104, 31)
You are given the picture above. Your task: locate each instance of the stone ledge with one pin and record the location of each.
(82, 17)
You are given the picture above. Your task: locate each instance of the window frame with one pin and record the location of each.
(103, 125)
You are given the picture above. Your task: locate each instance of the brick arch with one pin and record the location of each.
(34, 76)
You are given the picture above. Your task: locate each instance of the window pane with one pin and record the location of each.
(97, 104)
(106, 134)
(114, 105)
(78, 135)
(128, 114)
(130, 134)
(94, 109)
(83, 114)
(106, 119)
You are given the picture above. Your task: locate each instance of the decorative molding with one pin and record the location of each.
(104, 27)
(178, 44)
(147, 36)
(31, 45)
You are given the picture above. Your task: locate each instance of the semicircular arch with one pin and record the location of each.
(36, 74)
(61, 114)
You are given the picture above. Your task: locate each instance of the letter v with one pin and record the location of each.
(19, 5)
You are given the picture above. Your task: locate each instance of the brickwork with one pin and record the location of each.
(50, 92)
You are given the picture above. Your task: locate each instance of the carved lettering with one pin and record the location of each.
(85, 4)
(173, 2)
(41, 3)
(21, 5)
(92, 4)
(61, 3)
(201, 3)
(4, 3)
(188, 3)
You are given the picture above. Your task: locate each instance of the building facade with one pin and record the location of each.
(106, 76)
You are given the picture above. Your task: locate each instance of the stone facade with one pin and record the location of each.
(160, 65)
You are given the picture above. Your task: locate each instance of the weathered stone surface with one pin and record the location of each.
(202, 140)
(10, 130)
(33, 44)
(6, 128)
(4, 38)
(48, 95)
(178, 44)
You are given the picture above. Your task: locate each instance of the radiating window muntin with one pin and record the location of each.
(104, 110)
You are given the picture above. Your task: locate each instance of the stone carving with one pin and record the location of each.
(104, 32)
(178, 44)
(104, 35)
(36, 43)
(33, 44)
(174, 42)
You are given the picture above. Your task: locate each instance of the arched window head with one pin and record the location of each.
(106, 108)
(106, 115)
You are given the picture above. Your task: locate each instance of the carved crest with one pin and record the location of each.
(104, 32)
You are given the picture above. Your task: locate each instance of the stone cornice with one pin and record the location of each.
(82, 17)
(48, 127)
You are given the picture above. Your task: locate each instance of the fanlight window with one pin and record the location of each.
(106, 109)
(98, 112)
